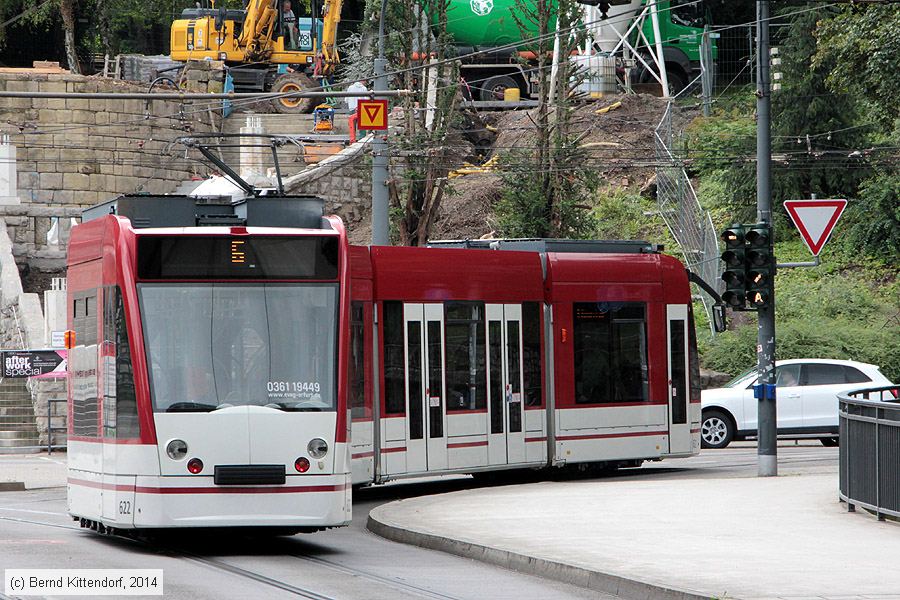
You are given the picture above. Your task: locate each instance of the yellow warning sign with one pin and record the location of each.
(372, 114)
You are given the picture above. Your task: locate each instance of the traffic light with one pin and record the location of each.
(760, 265)
(735, 274)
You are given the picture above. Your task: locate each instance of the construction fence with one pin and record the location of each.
(690, 224)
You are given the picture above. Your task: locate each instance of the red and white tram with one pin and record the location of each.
(205, 376)
(480, 356)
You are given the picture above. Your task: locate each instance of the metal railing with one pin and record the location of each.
(870, 450)
(51, 429)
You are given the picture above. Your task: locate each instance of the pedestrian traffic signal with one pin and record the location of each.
(760, 265)
(735, 274)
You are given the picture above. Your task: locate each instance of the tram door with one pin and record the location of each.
(426, 437)
(506, 437)
(679, 392)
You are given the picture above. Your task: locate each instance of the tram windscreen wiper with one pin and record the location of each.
(191, 407)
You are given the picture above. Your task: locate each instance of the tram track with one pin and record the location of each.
(387, 581)
(180, 553)
(258, 577)
(176, 552)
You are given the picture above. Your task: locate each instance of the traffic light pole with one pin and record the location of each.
(767, 449)
(380, 223)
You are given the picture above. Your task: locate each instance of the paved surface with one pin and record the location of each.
(700, 527)
(32, 471)
(692, 531)
(349, 563)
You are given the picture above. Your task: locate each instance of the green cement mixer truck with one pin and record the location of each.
(497, 52)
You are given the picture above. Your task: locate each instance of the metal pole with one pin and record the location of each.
(767, 450)
(706, 73)
(380, 223)
(660, 60)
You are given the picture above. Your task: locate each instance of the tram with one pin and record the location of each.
(476, 356)
(206, 346)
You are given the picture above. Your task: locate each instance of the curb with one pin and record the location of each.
(12, 486)
(578, 576)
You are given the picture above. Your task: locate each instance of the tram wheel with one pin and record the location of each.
(716, 431)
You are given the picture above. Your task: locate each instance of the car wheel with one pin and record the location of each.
(830, 442)
(716, 431)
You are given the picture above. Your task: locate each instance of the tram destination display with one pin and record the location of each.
(237, 257)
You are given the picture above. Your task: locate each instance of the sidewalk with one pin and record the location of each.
(739, 537)
(32, 471)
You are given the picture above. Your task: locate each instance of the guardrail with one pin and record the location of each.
(870, 450)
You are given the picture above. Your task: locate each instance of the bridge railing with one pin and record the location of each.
(870, 450)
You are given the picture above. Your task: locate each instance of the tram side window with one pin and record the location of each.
(531, 346)
(465, 356)
(610, 345)
(394, 363)
(85, 405)
(120, 418)
(357, 362)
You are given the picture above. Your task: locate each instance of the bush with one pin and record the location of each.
(874, 219)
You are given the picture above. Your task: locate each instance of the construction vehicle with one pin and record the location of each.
(498, 53)
(264, 47)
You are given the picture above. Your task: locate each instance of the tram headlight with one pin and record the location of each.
(317, 447)
(177, 449)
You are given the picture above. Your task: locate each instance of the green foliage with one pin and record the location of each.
(873, 220)
(523, 211)
(808, 120)
(620, 214)
(861, 47)
(722, 149)
(841, 309)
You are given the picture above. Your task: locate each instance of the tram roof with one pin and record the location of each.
(545, 245)
(153, 211)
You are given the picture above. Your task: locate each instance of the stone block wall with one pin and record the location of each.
(204, 76)
(78, 152)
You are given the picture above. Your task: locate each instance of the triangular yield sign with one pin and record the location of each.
(372, 111)
(815, 220)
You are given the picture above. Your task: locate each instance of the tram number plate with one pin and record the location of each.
(124, 507)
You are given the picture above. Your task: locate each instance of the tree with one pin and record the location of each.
(418, 180)
(548, 188)
(861, 46)
(67, 11)
(858, 49)
(810, 123)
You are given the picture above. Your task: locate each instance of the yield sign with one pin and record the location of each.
(815, 219)
(372, 114)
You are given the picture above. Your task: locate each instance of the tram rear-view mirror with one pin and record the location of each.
(718, 314)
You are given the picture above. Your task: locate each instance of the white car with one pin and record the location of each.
(806, 404)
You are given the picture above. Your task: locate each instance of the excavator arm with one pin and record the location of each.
(259, 24)
(331, 16)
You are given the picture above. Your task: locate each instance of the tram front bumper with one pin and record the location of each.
(303, 501)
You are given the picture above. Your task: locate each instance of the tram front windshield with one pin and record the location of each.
(216, 345)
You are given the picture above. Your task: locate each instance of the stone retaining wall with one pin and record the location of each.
(78, 152)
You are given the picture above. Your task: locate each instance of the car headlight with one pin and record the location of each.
(177, 449)
(317, 447)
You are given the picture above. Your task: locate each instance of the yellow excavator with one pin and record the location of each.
(265, 46)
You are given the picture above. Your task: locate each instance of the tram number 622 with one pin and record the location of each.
(124, 507)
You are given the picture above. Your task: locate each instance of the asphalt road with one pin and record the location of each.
(347, 563)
